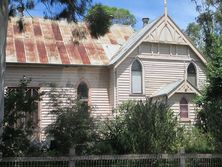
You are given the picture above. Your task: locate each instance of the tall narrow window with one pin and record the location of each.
(183, 108)
(136, 73)
(192, 74)
(82, 92)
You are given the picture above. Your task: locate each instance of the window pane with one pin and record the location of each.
(136, 82)
(136, 66)
(183, 108)
(82, 91)
(191, 75)
(192, 79)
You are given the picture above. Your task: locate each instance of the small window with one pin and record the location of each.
(192, 75)
(183, 108)
(136, 75)
(82, 91)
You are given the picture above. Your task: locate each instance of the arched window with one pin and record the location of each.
(183, 108)
(192, 74)
(83, 91)
(136, 75)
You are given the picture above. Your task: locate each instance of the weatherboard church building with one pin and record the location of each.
(158, 61)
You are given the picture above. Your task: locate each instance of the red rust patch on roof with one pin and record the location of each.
(63, 54)
(126, 37)
(56, 32)
(19, 46)
(42, 52)
(37, 29)
(16, 29)
(73, 54)
(51, 42)
(112, 39)
(83, 54)
(30, 49)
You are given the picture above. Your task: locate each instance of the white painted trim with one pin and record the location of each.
(137, 43)
(166, 57)
(143, 77)
(146, 34)
(197, 72)
(195, 91)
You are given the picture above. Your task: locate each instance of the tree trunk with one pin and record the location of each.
(3, 35)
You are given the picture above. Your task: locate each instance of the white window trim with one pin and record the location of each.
(188, 107)
(197, 72)
(142, 82)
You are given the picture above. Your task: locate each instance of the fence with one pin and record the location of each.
(160, 160)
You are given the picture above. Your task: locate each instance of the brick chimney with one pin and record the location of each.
(145, 21)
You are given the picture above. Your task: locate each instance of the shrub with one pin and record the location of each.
(141, 127)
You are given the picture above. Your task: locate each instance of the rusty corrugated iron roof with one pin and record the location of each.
(58, 42)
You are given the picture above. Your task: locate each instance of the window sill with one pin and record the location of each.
(137, 95)
(185, 120)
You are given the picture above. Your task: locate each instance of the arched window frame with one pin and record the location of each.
(142, 77)
(184, 105)
(86, 99)
(196, 74)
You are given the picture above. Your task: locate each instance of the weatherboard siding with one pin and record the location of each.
(174, 104)
(111, 87)
(158, 71)
(124, 81)
(66, 80)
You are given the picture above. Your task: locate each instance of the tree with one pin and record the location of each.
(120, 15)
(194, 32)
(210, 114)
(73, 127)
(99, 20)
(141, 128)
(19, 122)
(69, 9)
(3, 34)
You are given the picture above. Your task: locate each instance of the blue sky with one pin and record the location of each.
(181, 11)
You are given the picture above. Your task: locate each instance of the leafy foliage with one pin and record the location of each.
(210, 114)
(196, 141)
(71, 10)
(141, 127)
(98, 20)
(194, 32)
(120, 15)
(19, 124)
(73, 127)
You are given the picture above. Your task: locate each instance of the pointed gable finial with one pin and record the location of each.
(165, 8)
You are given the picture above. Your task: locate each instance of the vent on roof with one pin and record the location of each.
(145, 21)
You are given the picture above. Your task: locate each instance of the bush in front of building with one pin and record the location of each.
(141, 128)
(20, 121)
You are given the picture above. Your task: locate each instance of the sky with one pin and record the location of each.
(181, 11)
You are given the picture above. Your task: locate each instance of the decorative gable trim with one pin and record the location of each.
(179, 86)
(185, 87)
(132, 44)
(163, 30)
(166, 32)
